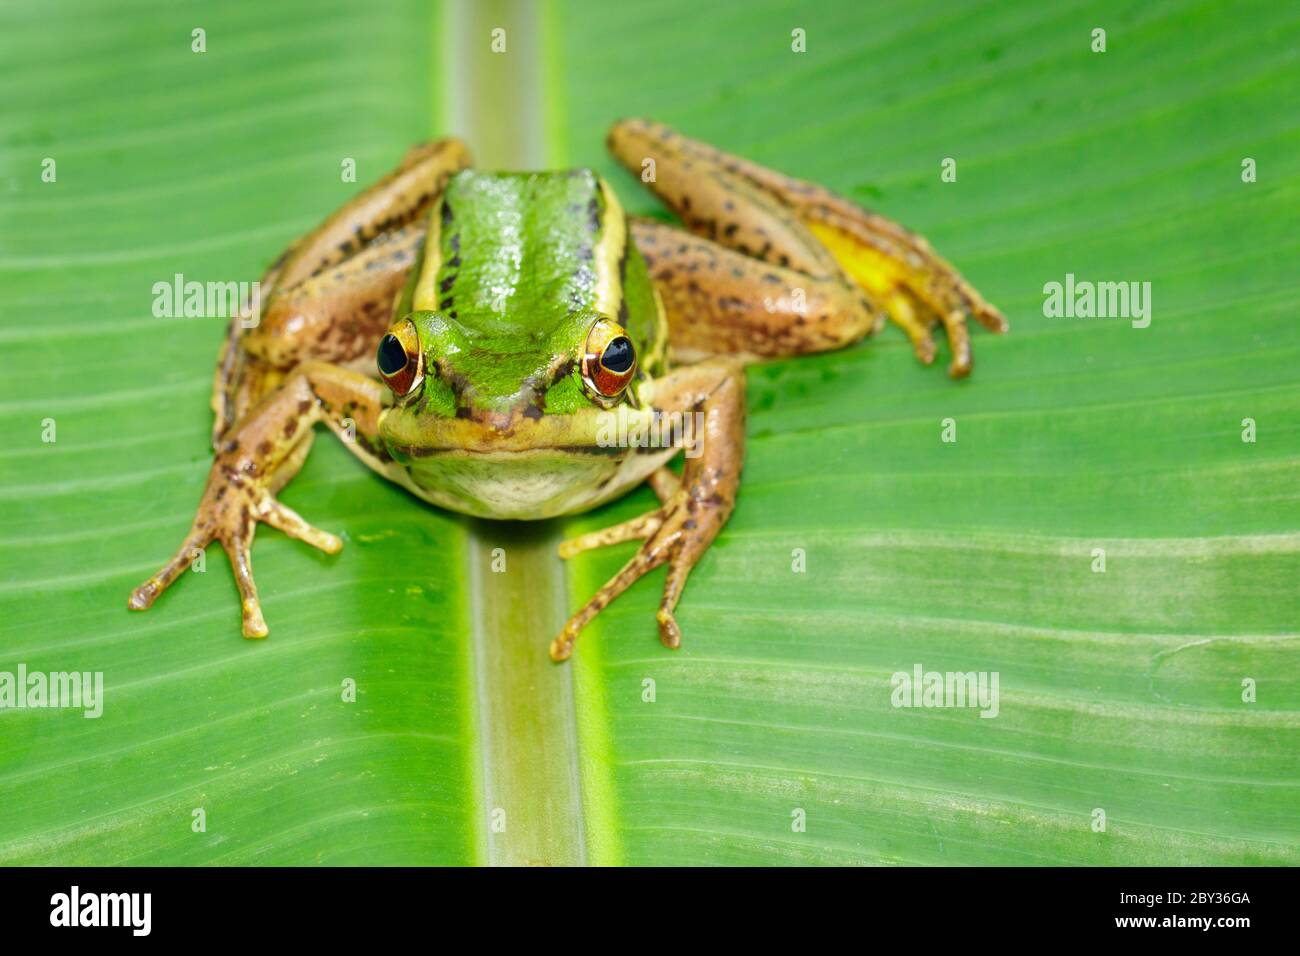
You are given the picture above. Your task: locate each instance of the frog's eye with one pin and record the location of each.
(400, 360)
(609, 360)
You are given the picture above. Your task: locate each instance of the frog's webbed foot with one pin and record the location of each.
(232, 506)
(897, 268)
(778, 266)
(676, 533)
(692, 511)
(256, 458)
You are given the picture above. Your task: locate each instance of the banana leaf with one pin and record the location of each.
(1104, 515)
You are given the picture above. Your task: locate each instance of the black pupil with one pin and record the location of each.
(392, 357)
(618, 355)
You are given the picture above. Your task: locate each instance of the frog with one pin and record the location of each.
(469, 335)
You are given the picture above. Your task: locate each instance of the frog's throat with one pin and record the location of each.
(409, 436)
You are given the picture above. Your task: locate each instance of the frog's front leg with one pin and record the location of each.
(776, 266)
(692, 511)
(256, 457)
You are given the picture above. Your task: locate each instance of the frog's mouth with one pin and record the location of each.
(587, 431)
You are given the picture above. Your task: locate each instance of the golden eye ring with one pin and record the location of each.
(401, 360)
(608, 361)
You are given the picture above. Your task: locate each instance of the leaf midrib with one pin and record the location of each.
(528, 775)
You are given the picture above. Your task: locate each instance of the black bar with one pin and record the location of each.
(333, 906)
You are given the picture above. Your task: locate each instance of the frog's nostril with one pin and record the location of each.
(392, 357)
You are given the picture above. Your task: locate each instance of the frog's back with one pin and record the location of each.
(516, 269)
(526, 249)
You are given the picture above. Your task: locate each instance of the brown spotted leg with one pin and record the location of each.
(803, 270)
(693, 509)
(338, 316)
(257, 457)
(720, 302)
(329, 295)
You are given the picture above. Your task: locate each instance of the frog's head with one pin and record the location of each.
(437, 366)
(529, 312)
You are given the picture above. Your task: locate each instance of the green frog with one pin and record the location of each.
(494, 343)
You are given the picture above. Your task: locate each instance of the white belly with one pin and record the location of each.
(529, 485)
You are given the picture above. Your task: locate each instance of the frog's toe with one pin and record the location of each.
(899, 270)
(661, 547)
(670, 635)
(918, 318)
(562, 647)
(254, 624)
(676, 534)
(142, 597)
(231, 519)
(636, 529)
(902, 309)
(679, 567)
(238, 547)
(291, 523)
(925, 303)
(648, 557)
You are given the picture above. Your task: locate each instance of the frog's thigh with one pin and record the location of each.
(338, 315)
(786, 221)
(691, 515)
(381, 228)
(719, 302)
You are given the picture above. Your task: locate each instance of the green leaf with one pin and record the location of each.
(1120, 691)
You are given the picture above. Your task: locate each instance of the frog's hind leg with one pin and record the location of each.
(336, 316)
(807, 270)
(257, 457)
(327, 297)
(720, 302)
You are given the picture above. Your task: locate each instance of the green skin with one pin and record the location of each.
(525, 264)
(529, 314)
